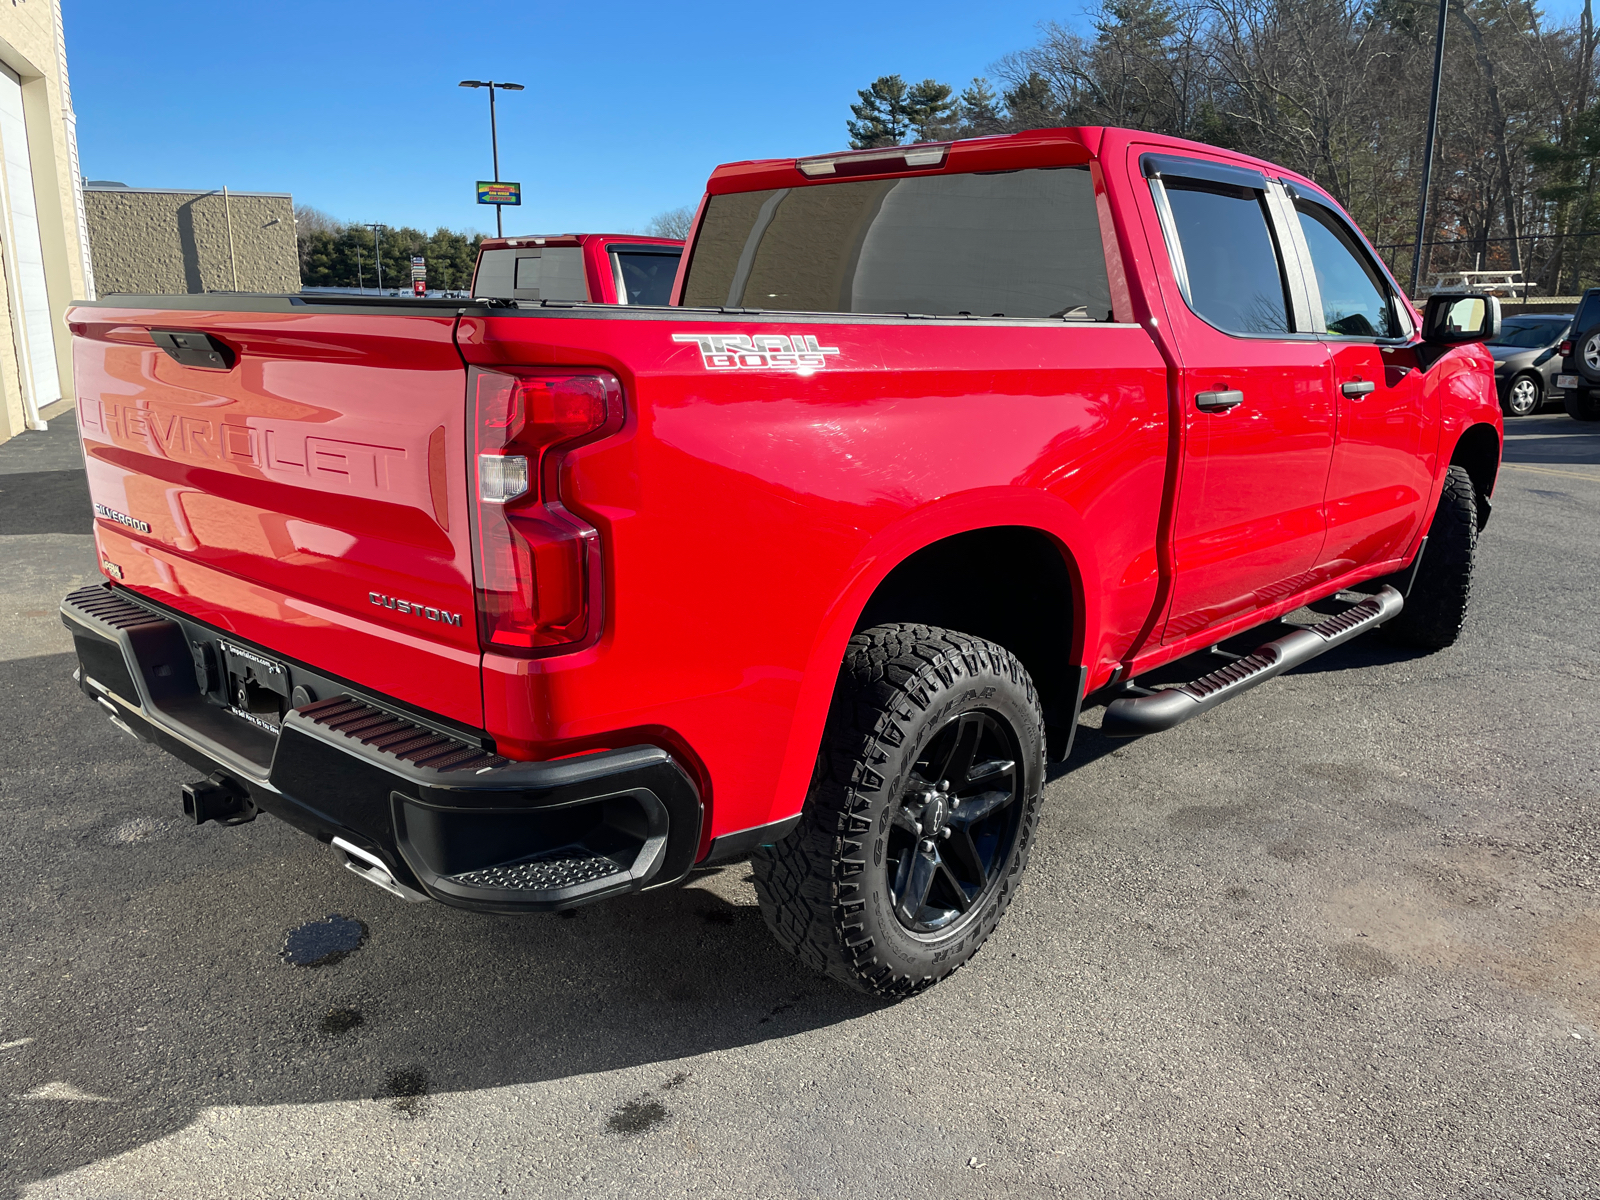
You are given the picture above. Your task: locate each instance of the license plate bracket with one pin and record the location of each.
(258, 688)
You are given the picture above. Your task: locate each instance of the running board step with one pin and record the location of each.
(1134, 716)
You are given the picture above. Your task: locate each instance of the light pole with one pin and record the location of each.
(1427, 152)
(494, 137)
(377, 250)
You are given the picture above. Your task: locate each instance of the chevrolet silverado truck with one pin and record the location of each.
(524, 602)
(608, 268)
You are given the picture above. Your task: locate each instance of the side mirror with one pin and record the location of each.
(1452, 318)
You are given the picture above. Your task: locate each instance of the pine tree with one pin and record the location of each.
(881, 118)
(931, 111)
(980, 111)
(1032, 105)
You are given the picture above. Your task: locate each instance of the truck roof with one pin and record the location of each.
(1060, 147)
(575, 239)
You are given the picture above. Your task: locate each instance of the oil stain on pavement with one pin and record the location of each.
(322, 943)
(407, 1087)
(636, 1116)
(342, 1020)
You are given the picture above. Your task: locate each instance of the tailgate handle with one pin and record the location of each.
(195, 349)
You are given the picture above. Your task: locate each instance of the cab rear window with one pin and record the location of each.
(1006, 244)
(531, 273)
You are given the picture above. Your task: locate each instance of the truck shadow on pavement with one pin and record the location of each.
(1552, 439)
(45, 502)
(146, 980)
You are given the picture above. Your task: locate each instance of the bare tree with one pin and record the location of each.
(674, 223)
(1337, 90)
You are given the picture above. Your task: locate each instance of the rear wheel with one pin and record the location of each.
(1524, 395)
(921, 813)
(1436, 609)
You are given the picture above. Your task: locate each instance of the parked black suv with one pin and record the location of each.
(1579, 380)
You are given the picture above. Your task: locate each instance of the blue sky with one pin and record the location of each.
(353, 106)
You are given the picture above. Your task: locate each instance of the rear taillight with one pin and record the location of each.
(538, 564)
(1566, 349)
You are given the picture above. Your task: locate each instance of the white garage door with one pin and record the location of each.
(22, 247)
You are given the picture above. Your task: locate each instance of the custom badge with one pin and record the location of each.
(759, 352)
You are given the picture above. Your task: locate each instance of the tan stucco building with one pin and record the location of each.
(43, 239)
(164, 241)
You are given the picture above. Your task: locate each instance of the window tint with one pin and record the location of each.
(1235, 278)
(645, 276)
(1355, 298)
(535, 273)
(1012, 244)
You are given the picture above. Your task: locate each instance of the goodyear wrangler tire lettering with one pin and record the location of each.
(950, 849)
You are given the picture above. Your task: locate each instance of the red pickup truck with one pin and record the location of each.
(524, 602)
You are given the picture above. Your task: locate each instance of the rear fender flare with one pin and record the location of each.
(982, 508)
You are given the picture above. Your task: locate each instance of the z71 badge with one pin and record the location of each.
(759, 352)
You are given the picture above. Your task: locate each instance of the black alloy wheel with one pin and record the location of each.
(955, 823)
(1524, 395)
(920, 816)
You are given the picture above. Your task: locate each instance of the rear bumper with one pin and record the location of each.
(432, 801)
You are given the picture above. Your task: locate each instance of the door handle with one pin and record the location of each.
(1218, 401)
(1358, 388)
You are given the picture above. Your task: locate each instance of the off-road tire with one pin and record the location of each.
(1581, 406)
(825, 889)
(1517, 393)
(1436, 609)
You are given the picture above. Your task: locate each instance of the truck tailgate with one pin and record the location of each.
(296, 477)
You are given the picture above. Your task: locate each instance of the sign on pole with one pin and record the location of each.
(419, 287)
(499, 193)
(419, 268)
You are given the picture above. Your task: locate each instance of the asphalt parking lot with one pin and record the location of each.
(1340, 938)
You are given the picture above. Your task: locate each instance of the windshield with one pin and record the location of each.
(1530, 335)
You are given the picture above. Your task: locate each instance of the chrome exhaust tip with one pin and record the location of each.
(373, 869)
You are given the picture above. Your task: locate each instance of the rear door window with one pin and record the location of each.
(1235, 274)
(644, 274)
(531, 273)
(1007, 244)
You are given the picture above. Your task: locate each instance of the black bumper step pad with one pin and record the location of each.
(546, 873)
(110, 608)
(396, 736)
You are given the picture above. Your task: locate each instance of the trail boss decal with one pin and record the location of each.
(759, 352)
